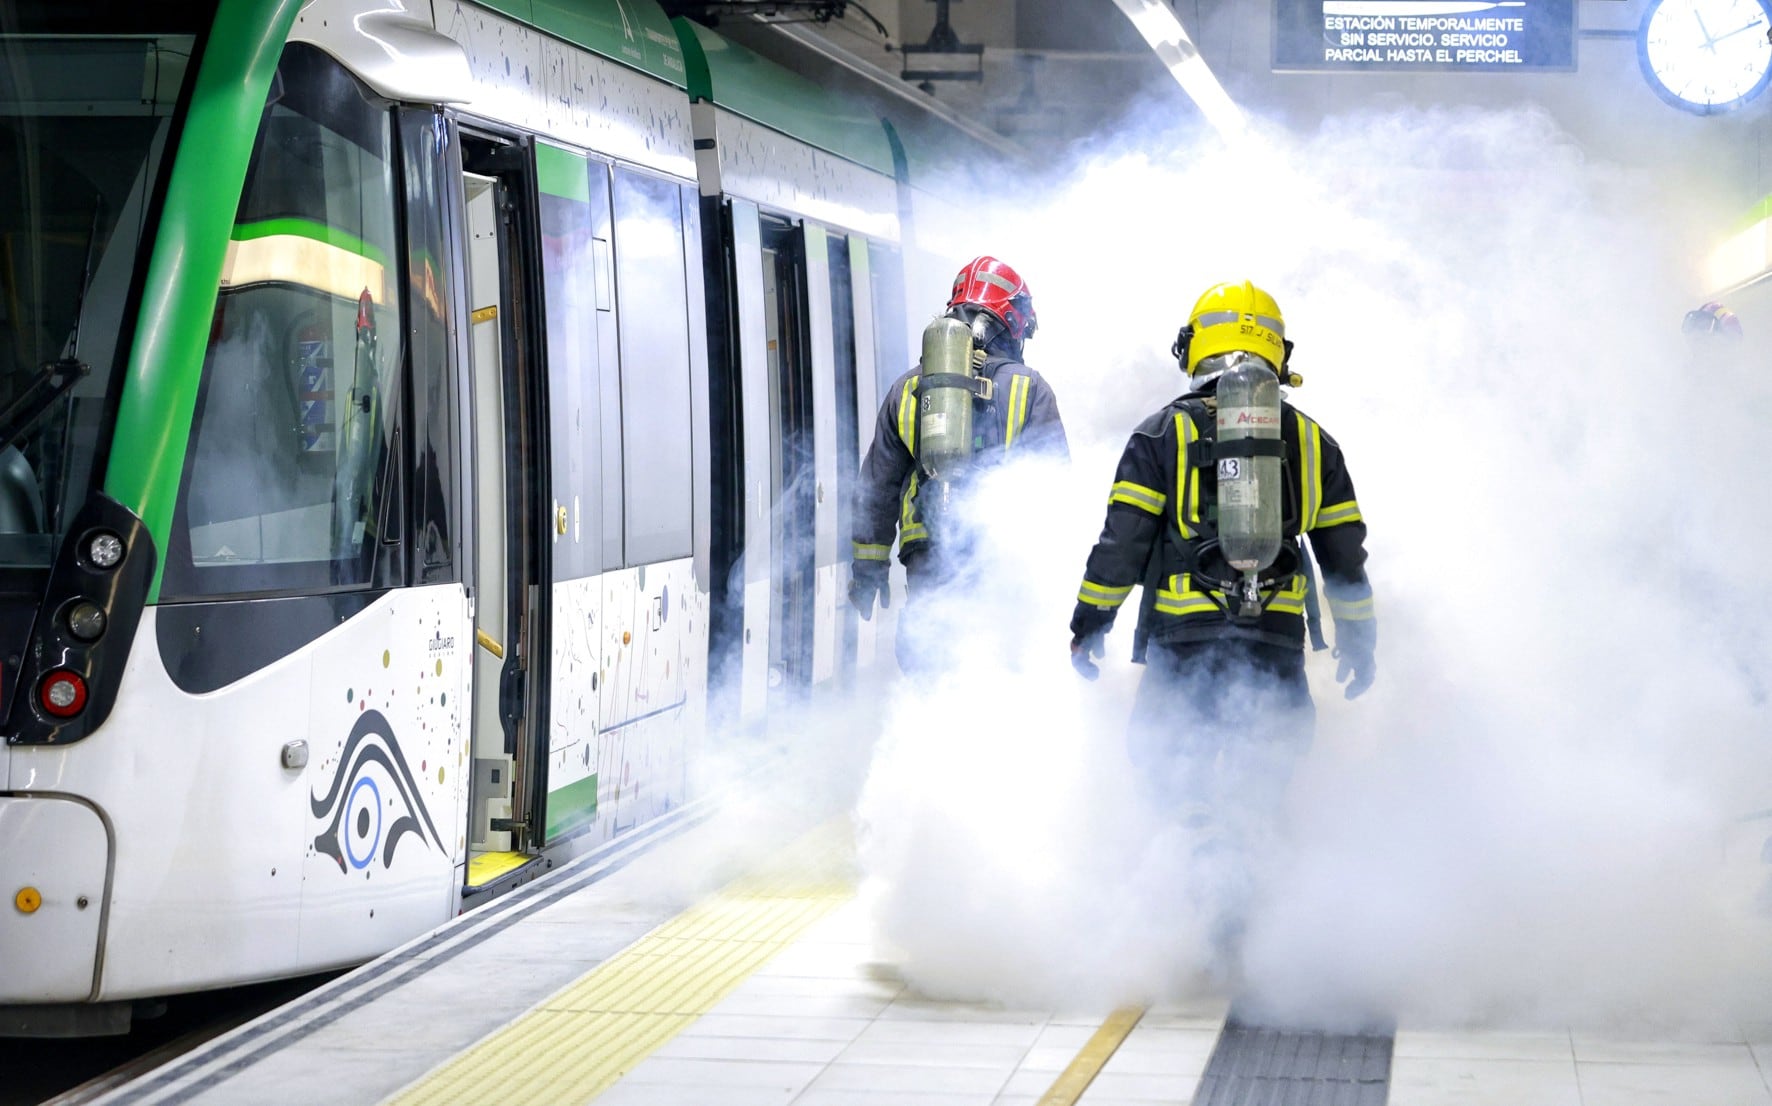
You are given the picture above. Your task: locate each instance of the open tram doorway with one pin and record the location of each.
(792, 472)
(508, 456)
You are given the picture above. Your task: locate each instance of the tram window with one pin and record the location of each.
(891, 355)
(300, 389)
(423, 139)
(571, 192)
(87, 121)
(652, 307)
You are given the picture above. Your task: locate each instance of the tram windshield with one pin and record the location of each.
(84, 124)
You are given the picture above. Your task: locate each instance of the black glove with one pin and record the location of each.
(1089, 627)
(869, 580)
(1356, 646)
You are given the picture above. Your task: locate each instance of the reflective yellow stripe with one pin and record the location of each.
(1339, 514)
(1170, 604)
(1101, 595)
(1310, 453)
(1187, 480)
(907, 506)
(1289, 599)
(867, 552)
(907, 413)
(1351, 610)
(916, 531)
(1019, 388)
(1181, 598)
(1137, 495)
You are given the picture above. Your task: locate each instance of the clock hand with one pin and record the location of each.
(1709, 42)
(1736, 31)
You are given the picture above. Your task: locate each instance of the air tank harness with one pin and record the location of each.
(1203, 556)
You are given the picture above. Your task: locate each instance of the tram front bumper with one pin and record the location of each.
(52, 898)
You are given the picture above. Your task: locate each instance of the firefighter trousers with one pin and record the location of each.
(1217, 728)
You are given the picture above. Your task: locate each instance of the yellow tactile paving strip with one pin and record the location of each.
(1096, 1052)
(575, 1044)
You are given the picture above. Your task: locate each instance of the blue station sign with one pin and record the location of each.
(1431, 36)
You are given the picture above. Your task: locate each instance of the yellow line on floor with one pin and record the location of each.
(576, 1043)
(1075, 1079)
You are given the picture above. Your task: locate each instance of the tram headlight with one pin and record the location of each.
(63, 693)
(86, 620)
(104, 549)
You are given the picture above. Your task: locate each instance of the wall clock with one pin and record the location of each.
(1707, 55)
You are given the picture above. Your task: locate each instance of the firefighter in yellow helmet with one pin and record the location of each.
(1210, 502)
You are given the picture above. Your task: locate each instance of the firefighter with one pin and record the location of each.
(1224, 702)
(1713, 320)
(914, 464)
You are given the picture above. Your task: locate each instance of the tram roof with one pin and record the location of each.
(636, 33)
(730, 76)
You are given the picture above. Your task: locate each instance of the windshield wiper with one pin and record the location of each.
(54, 378)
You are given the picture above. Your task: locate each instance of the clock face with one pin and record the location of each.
(1707, 55)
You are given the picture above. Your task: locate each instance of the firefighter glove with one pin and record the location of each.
(1356, 647)
(869, 580)
(1089, 627)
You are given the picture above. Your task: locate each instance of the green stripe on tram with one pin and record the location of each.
(159, 391)
(562, 173)
(308, 228)
(572, 806)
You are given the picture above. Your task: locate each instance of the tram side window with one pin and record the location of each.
(653, 309)
(571, 190)
(423, 139)
(891, 355)
(300, 390)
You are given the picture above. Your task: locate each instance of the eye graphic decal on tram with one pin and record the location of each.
(360, 818)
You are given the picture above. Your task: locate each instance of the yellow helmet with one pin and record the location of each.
(1229, 317)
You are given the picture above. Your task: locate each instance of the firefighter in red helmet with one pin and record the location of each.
(1713, 319)
(916, 460)
(1714, 338)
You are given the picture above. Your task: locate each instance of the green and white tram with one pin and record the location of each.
(407, 406)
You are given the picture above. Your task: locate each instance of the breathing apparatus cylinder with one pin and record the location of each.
(1249, 487)
(944, 413)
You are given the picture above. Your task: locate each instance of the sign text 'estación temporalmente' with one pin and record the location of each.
(1424, 35)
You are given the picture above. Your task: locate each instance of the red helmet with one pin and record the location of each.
(993, 286)
(1713, 318)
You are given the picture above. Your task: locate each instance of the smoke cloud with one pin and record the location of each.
(1542, 812)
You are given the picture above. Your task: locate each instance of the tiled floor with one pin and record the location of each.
(822, 1025)
(1573, 1069)
(825, 1023)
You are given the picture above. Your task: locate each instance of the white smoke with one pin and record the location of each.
(1536, 814)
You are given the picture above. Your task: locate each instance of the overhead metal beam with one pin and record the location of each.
(891, 83)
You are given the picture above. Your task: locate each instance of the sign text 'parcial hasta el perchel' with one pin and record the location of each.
(1446, 36)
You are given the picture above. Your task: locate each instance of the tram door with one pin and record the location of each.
(792, 468)
(504, 455)
(846, 432)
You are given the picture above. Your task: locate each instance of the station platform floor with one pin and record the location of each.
(670, 969)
